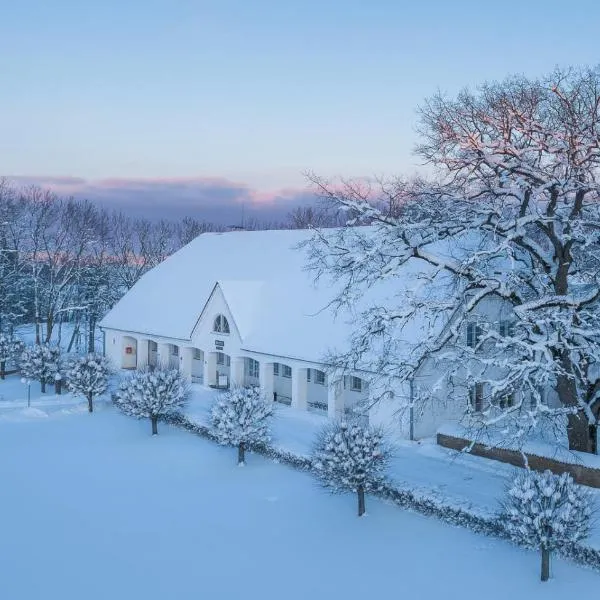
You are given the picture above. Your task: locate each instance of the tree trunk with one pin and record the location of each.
(361, 500)
(43, 384)
(90, 400)
(91, 335)
(73, 336)
(545, 564)
(154, 425)
(2, 368)
(49, 327)
(241, 453)
(38, 340)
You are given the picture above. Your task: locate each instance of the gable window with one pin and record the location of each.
(276, 369)
(286, 371)
(221, 324)
(474, 333)
(319, 377)
(223, 359)
(251, 368)
(476, 397)
(506, 328)
(356, 384)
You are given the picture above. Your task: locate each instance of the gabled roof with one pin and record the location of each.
(275, 303)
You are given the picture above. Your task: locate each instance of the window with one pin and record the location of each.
(223, 359)
(152, 346)
(286, 371)
(174, 350)
(474, 333)
(221, 325)
(320, 377)
(251, 368)
(356, 384)
(197, 354)
(476, 397)
(307, 374)
(506, 328)
(507, 400)
(276, 369)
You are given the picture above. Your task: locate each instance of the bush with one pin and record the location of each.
(40, 362)
(88, 377)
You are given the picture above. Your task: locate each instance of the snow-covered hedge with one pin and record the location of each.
(406, 497)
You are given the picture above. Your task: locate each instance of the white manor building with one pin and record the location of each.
(240, 308)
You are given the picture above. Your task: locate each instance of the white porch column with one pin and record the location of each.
(335, 401)
(267, 384)
(299, 388)
(210, 368)
(162, 355)
(142, 353)
(185, 359)
(237, 371)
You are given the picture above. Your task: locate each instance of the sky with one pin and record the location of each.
(201, 107)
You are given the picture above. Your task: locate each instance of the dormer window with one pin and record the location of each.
(221, 325)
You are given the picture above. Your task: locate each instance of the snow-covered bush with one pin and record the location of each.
(40, 362)
(152, 394)
(353, 456)
(88, 377)
(10, 350)
(240, 417)
(546, 511)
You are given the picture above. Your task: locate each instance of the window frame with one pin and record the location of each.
(353, 386)
(276, 369)
(221, 325)
(286, 371)
(477, 397)
(474, 333)
(320, 377)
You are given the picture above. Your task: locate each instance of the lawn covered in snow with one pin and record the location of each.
(93, 507)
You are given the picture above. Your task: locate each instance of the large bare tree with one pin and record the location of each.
(512, 213)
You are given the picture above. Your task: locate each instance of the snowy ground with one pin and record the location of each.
(462, 479)
(94, 507)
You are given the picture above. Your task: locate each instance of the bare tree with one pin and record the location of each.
(512, 215)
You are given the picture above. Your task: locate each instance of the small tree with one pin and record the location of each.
(546, 511)
(240, 417)
(88, 377)
(351, 456)
(40, 362)
(152, 394)
(10, 349)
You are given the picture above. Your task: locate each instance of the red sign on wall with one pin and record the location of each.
(128, 350)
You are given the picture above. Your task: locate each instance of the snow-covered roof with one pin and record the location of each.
(276, 304)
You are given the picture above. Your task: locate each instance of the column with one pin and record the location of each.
(210, 368)
(162, 355)
(185, 359)
(299, 388)
(335, 401)
(237, 371)
(267, 384)
(142, 353)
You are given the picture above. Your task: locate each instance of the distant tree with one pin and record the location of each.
(88, 377)
(10, 350)
(351, 456)
(40, 362)
(240, 417)
(153, 394)
(546, 511)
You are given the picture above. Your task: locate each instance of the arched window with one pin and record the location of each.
(221, 325)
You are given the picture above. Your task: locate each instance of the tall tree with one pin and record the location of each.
(513, 214)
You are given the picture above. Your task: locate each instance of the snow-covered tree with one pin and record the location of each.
(351, 456)
(240, 417)
(40, 362)
(513, 215)
(546, 511)
(11, 348)
(88, 377)
(152, 394)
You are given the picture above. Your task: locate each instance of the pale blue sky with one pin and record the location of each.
(254, 91)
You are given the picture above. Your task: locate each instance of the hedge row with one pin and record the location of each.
(417, 501)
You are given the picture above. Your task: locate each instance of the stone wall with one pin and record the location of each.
(581, 474)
